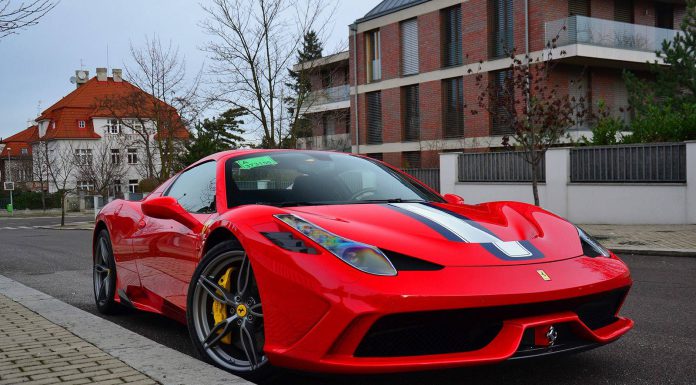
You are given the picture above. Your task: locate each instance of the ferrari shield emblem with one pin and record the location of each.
(543, 275)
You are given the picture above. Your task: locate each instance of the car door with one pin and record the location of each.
(167, 251)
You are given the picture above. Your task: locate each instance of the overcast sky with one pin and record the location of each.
(36, 65)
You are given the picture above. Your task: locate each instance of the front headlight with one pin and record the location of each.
(590, 246)
(366, 258)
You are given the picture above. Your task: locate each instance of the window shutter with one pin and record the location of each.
(411, 159)
(623, 11)
(452, 32)
(503, 42)
(374, 118)
(453, 107)
(409, 47)
(579, 8)
(411, 113)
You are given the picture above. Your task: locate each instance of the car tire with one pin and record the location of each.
(228, 334)
(104, 274)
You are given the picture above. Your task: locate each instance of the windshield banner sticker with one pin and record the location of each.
(259, 161)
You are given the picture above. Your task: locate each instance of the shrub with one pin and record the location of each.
(664, 124)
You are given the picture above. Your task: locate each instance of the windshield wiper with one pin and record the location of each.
(391, 200)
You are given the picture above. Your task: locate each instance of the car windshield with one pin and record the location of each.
(302, 178)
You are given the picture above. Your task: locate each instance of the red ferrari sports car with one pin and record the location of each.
(331, 262)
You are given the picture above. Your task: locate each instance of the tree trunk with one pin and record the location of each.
(43, 197)
(62, 210)
(535, 181)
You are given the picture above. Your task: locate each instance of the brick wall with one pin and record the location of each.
(390, 41)
(644, 12)
(602, 9)
(541, 12)
(430, 159)
(475, 31)
(475, 124)
(430, 95)
(429, 42)
(391, 115)
(393, 158)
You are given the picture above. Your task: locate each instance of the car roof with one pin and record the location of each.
(234, 153)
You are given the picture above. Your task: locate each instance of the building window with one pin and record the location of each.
(374, 118)
(378, 156)
(623, 11)
(502, 39)
(85, 186)
(579, 7)
(409, 47)
(452, 36)
(83, 156)
(328, 124)
(116, 156)
(453, 107)
(133, 186)
(502, 102)
(664, 15)
(373, 56)
(81, 124)
(117, 188)
(113, 126)
(411, 113)
(411, 159)
(132, 156)
(24, 151)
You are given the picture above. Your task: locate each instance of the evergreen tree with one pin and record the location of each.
(221, 133)
(300, 86)
(672, 92)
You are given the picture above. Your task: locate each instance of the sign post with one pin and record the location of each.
(9, 186)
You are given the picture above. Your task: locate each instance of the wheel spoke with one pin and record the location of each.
(101, 269)
(218, 293)
(101, 295)
(256, 313)
(102, 251)
(243, 278)
(218, 332)
(248, 345)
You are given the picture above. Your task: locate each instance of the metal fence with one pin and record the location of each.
(497, 167)
(429, 176)
(644, 163)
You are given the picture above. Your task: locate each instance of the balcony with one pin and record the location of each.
(332, 98)
(337, 142)
(600, 38)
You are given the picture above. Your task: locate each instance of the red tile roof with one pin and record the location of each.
(85, 103)
(19, 141)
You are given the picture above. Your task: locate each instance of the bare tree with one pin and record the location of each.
(255, 42)
(16, 15)
(105, 165)
(527, 100)
(40, 169)
(159, 108)
(60, 167)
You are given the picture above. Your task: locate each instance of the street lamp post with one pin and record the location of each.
(9, 177)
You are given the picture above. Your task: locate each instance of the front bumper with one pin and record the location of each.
(319, 320)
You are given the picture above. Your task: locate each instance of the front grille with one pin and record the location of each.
(464, 330)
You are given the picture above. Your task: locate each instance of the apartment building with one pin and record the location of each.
(16, 158)
(327, 108)
(413, 65)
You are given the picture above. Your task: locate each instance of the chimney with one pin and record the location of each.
(101, 74)
(118, 74)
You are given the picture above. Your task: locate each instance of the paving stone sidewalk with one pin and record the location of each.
(34, 350)
(677, 240)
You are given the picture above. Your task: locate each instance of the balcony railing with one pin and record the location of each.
(329, 95)
(607, 33)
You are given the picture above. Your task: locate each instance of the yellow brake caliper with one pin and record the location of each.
(220, 309)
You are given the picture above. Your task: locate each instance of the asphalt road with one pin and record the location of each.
(660, 350)
(18, 222)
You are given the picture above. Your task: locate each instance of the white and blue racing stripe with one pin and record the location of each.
(458, 228)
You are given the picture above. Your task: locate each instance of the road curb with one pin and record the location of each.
(656, 252)
(156, 361)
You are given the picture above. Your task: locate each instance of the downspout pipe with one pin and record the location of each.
(354, 32)
(526, 27)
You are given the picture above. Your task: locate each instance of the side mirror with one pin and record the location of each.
(169, 208)
(454, 199)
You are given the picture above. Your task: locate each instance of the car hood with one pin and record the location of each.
(491, 234)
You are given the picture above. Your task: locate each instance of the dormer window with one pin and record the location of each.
(25, 151)
(113, 126)
(81, 124)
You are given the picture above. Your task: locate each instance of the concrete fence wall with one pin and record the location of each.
(587, 203)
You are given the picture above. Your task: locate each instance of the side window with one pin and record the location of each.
(195, 189)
